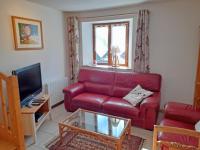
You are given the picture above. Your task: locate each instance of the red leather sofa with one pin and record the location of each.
(102, 91)
(182, 116)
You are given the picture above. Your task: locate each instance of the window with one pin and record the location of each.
(106, 36)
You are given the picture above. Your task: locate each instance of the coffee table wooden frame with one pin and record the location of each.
(63, 127)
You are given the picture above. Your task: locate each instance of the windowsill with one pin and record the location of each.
(109, 67)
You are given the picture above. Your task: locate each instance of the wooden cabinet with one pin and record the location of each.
(197, 84)
(28, 117)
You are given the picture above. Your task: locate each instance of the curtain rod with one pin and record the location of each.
(109, 15)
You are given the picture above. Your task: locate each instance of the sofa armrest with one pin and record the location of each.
(182, 112)
(152, 102)
(149, 109)
(70, 92)
(74, 89)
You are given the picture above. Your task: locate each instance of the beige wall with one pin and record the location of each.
(173, 43)
(52, 57)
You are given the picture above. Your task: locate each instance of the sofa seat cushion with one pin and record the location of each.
(89, 101)
(120, 107)
(183, 139)
(182, 112)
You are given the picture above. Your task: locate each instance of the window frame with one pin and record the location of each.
(109, 24)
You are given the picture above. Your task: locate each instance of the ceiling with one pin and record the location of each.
(83, 5)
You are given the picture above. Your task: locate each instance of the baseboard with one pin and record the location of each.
(57, 104)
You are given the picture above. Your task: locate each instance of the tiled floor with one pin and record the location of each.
(50, 129)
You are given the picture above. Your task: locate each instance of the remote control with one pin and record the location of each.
(40, 100)
(35, 104)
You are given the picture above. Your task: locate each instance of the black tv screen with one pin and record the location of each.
(30, 82)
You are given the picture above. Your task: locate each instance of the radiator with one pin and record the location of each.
(54, 89)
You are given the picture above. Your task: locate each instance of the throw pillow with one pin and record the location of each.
(136, 95)
(197, 126)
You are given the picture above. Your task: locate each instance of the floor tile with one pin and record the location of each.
(28, 140)
(160, 117)
(58, 110)
(50, 127)
(35, 147)
(60, 117)
(43, 138)
(146, 135)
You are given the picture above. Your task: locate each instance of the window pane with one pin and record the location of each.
(119, 39)
(102, 124)
(101, 44)
(117, 127)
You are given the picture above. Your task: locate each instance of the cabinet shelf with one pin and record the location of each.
(41, 120)
(28, 117)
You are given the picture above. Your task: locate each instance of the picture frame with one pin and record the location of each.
(27, 33)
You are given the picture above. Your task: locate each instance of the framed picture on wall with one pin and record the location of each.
(27, 33)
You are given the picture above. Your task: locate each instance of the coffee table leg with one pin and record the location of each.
(129, 131)
(118, 145)
(60, 132)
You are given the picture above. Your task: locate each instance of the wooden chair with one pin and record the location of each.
(11, 131)
(157, 144)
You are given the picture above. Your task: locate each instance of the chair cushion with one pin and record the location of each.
(183, 139)
(182, 112)
(119, 107)
(89, 101)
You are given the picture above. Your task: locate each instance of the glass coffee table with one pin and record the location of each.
(105, 128)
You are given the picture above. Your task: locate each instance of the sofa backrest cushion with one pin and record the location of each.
(125, 82)
(97, 81)
(117, 84)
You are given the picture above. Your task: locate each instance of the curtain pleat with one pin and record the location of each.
(73, 48)
(141, 60)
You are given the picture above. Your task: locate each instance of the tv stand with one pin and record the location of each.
(28, 116)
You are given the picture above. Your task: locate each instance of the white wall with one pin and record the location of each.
(173, 43)
(52, 57)
(174, 40)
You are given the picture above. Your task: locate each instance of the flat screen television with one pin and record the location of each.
(30, 82)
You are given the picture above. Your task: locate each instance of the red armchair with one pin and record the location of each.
(182, 116)
(102, 91)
